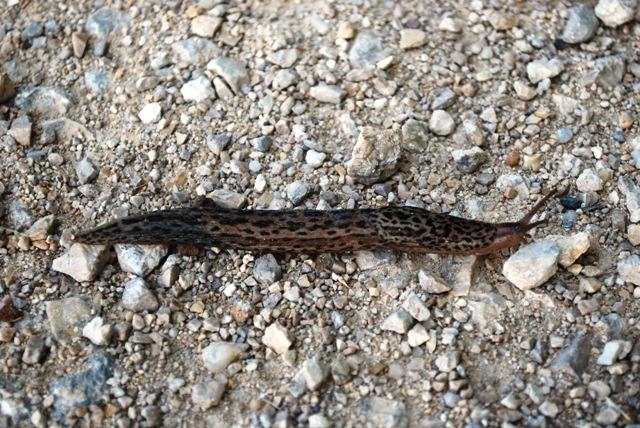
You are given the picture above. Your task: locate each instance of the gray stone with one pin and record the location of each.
(614, 350)
(217, 143)
(444, 100)
(82, 389)
(232, 71)
(198, 90)
(631, 192)
(381, 412)
(415, 135)
(97, 81)
(209, 393)
(82, 262)
(218, 355)
(147, 83)
(564, 135)
(106, 20)
(150, 113)
(67, 317)
(266, 270)
(315, 159)
(277, 338)
(195, 51)
(367, 260)
(524, 91)
(416, 307)
(21, 130)
(399, 322)
(441, 123)
(152, 415)
(581, 25)
(549, 409)
(589, 181)
(34, 351)
(262, 143)
(574, 359)
(98, 332)
(32, 30)
(86, 171)
(140, 259)
(285, 58)
(469, 160)
(607, 72)
(298, 191)
(375, 155)
(20, 218)
(327, 93)
(228, 199)
(572, 247)
(629, 269)
(417, 336)
(285, 78)
(532, 265)
(41, 228)
(314, 372)
(544, 69)
(615, 12)
(432, 283)
(138, 298)
(448, 361)
(366, 50)
(608, 416)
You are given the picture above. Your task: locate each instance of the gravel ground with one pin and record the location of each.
(469, 108)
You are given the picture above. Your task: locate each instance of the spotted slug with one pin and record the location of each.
(406, 229)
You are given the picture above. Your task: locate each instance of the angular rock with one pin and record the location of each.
(581, 25)
(532, 265)
(209, 393)
(232, 71)
(375, 156)
(137, 297)
(218, 355)
(21, 130)
(544, 69)
(327, 93)
(82, 262)
(205, 25)
(266, 270)
(198, 90)
(277, 338)
(441, 123)
(629, 269)
(67, 317)
(140, 259)
(98, 332)
(412, 38)
(44, 100)
(398, 322)
(150, 113)
(615, 12)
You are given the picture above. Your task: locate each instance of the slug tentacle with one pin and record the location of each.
(405, 229)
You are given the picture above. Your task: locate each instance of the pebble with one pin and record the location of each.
(366, 50)
(589, 181)
(319, 421)
(314, 372)
(98, 332)
(205, 25)
(97, 81)
(106, 20)
(564, 135)
(315, 159)
(44, 100)
(284, 79)
(228, 199)
(544, 69)
(549, 409)
(197, 90)
(614, 350)
(382, 412)
(232, 71)
(346, 30)
(262, 143)
(68, 316)
(631, 192)
(613, 13)
(574, 358)
(432, 283)
(298, 191)
(21, 130)
(367, 260)
(150, 113)
(19, 217)
(581, 25)
(412, 38)
(468, 161)
(83, 263)
(81, 389)
(209, 393)
(266, 270)
(195, 51)
(415, 135)
(34, 351)
(441, 123)
(375, 156)
(448, 361)
(607, 72)
(398, 322)
(444, 100)
(284, 58)
(137, 297)
(218, 355)
(32, 30)
(524, 91)
(327, 93)
(572, 247)
(416, 307)
(532, 265)
(633, 232)
(608, 416)
(86, 171)
(79, 43)
(277, 338)
(417, 336)
(7, 90)
(629, 269)
(451, 24)
(140, 260)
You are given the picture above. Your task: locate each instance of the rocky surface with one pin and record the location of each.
(470, 108)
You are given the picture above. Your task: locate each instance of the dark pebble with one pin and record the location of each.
(571, 203)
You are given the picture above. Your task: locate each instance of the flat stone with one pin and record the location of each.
(615, 12)
(432, 283)
(140, 259)
(284, 58)
(614, 350)
(137, 296)
(205, 25)
(444, 100)
(327, 93)
(629, 269)
(544, 69)
(572, 247)
(277, 338)
(375, 155)
(82, 262)
(232, 71)
(398, 322)
(198, 90)
(195, 51)
(285, 78)
(86, 171)
(68, 316)
(412, 38)
(208, 394)
(21, 130)
(97, 81)
(266, 270)
(218, 355)
(106, 20)
(366, 50)
(228, 199)
(314, 372)
(581, 25)
(44, 100)
(532, 265)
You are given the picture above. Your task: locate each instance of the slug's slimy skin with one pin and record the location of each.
(404, 229)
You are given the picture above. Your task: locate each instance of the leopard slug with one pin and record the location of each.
(404, 229)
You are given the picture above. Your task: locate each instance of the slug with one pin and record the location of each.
(404, 229)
